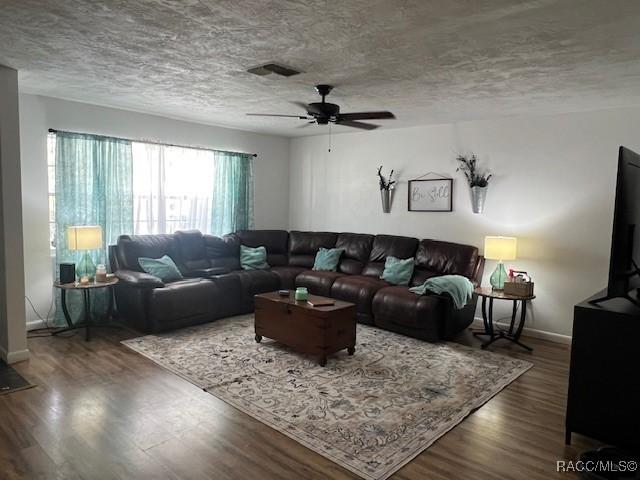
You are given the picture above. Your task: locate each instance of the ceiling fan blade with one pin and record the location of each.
(305, 125)
(276, 115)
(310, 109)
(366, 116)
(362, 125)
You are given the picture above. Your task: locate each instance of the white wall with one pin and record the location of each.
(553, 189)
(38, 114)
(13, 339)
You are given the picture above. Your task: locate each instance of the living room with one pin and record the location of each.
(474, 201)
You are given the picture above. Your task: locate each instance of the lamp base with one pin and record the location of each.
(86, 267)
(498, 277)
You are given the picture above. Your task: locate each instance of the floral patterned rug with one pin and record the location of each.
(371, 412)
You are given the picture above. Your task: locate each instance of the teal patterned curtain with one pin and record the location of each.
(232, 193)
(93, 185)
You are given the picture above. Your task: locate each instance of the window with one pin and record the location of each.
(172, 188)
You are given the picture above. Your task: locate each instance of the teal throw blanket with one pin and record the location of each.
(459, 287)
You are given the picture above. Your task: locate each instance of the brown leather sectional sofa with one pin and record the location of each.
(215, 286)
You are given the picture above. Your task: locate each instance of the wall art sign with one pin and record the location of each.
(431, 195)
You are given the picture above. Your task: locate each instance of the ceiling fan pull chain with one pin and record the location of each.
(329, 138)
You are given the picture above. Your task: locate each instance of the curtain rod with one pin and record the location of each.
(53, 130)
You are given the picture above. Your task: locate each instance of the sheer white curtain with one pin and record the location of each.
(172, 188)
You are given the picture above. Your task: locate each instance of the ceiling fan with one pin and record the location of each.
(323, 113)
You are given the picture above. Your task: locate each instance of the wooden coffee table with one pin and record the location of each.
(317, 331)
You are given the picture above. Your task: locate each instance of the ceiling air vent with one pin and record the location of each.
(273, 69)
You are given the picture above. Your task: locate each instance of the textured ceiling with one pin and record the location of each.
(428, 61)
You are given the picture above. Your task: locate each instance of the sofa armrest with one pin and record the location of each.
(206, 272)
(138, 279)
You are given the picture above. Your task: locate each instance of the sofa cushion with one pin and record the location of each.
(303, 246)
(194, 297)
(420, 276)
(164, 268)
(327, 259)
(357, 248)
(397, 271)
(399, 310)
(275, 241)
(253, 258)
(318, 282)
(223, 252)
(257, 281)
(192, 254)
(132, 247)
(385, 246)
(446, 258)
(288, 275)
(230, 299)
(358, 289)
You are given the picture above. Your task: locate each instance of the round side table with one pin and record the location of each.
(490, 329)
(86, 300)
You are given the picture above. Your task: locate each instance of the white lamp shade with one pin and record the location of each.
(500, 248)
(84, 237)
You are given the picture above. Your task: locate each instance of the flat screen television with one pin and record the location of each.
(624, 274)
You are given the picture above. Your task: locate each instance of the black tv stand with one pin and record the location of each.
(604, 385)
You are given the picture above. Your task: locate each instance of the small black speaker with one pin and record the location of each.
(67, 272)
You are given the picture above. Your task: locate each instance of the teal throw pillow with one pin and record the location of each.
(397, 271)
(327, 259)
(164, 268)
(253, 258)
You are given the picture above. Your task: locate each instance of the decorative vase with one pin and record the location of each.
(498, 277)
(385, 195)
(86, 267)
(478, 195)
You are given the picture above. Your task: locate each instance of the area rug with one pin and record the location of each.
(370, 413)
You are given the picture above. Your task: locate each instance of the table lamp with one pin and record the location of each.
(499, 248)
(85, 238)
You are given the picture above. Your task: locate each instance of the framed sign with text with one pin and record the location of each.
(431, 195)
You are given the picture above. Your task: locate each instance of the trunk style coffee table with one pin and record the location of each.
(318, 331)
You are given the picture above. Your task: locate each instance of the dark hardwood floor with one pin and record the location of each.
(101, 411)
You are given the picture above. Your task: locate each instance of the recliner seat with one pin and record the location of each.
(356, 248)
(303, 247)
(430, 317)
(360, 289)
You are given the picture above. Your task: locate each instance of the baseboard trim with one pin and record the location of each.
(532, 332)
(14, 357)
(35, 324)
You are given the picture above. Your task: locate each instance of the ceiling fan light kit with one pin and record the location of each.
(325, 113)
